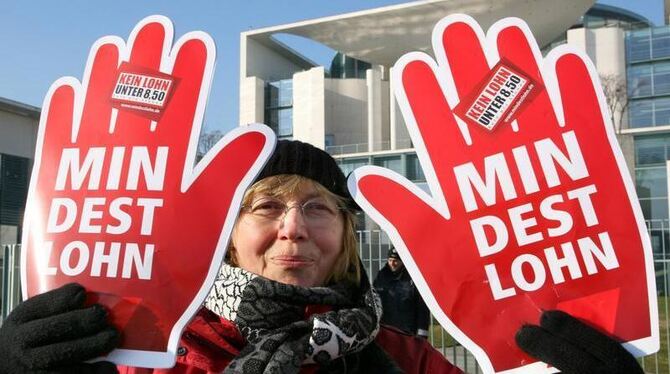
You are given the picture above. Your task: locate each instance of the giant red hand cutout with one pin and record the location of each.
(115, 202)
(534, 215)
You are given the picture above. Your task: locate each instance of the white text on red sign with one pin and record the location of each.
(595, 251)
(123, 213)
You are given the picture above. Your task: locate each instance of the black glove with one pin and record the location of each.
(53, 333)
(573, 347)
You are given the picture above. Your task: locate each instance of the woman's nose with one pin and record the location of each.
(293, 225)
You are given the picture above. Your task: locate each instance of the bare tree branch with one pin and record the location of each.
(616, 94)
(207, 141)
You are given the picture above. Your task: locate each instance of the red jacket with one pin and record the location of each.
(210, 342)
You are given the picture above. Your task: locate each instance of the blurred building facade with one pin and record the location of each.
(18, 133)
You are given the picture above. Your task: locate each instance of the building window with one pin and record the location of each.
(279, 107)
(660, 42)
(641, 113)
(393, 162)
(14, 176)
(651, 153)
(650, 79)
(638, 45)
(648, 76)
(650, 182)
(414, 170)
(649, 112)
(347, 67)
(662, 111)
(349, 165)
(639, 80)
(661, 77)
(329, 140)
(406, 165)
(648, 44)
(9, 234)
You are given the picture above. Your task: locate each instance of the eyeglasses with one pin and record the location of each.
(317, 212)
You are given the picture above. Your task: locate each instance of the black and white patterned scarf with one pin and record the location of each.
(271, 317)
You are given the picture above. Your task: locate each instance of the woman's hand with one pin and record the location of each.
(55, 333)
(574, 347)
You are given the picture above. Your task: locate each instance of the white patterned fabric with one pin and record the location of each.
(224, 297)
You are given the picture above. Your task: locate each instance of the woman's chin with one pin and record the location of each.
(296, 277)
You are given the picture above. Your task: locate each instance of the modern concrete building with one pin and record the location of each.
(348, 108)
(18, 134)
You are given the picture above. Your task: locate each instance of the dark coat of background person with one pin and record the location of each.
(403, 306)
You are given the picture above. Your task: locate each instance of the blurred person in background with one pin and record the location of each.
(402, 304)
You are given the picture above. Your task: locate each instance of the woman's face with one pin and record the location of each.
(296, 248)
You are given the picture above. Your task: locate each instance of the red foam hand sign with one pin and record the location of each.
(115, 202)
(532, 215)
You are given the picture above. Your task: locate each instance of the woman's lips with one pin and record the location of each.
(293, 261)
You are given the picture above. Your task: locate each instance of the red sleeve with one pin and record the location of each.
(413, 354)
(207, 345)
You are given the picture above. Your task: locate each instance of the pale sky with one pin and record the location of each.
(41, 41)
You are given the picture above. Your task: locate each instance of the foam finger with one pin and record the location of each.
(148, 46)
(433, 127)
(459, 46)
(99, 79)
(577, 90)
(56, 120)
(516, 44)
(386, 196)
(193, 56)
(241, 154)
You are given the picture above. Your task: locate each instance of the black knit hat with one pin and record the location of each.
(296, 157)
(393, 253)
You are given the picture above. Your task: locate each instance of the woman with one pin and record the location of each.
(290, 298)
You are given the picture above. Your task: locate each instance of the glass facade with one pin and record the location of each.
(414, 170)
(649, 79)
(347, 67)
(279, 107)
(349, 165)
(394, 163)
(648, 76)
(649, 112)
(601, 15)
(645, 44)
(651, 153)
(14, 177)
(406, 164)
